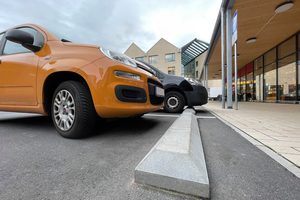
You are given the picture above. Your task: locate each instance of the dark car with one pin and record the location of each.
(292, 96)
(180, 91)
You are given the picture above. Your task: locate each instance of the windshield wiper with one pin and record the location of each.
(64, 40)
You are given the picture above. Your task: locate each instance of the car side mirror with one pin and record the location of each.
(21, 37)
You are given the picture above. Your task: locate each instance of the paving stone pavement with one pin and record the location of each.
(275, 125)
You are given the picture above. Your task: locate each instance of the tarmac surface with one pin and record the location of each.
(36, 163)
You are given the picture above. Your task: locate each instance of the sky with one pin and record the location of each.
(116, 24)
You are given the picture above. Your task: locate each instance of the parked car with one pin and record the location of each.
(292, 96)
(47, 74)
(179, 91)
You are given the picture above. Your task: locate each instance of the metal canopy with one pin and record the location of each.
(192, 50)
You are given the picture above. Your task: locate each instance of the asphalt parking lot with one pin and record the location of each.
(37, 163)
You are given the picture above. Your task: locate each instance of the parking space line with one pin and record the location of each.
(205, 117)
(154, 115)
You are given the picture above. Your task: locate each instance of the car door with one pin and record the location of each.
(18, 69)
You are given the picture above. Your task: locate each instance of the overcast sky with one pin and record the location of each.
(116, 24)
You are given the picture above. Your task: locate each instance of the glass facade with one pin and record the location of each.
(249, 87)
(189, 70)
(298, 75)
(258, 79)
(274, 76)
(270, 82)
(287, 78)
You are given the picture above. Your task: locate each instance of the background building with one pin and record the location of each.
(163, 55)
(186, 61)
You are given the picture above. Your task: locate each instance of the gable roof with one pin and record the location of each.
(132, 46)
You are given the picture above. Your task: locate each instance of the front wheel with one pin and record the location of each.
(73, 112)
(174, 102)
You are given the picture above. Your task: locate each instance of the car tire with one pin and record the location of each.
(174, 102)
(72, 110)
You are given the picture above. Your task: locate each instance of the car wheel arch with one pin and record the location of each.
(53, 81)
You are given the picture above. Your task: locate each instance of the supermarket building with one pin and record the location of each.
(268, 51)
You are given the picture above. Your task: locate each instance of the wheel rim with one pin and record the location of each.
(64, 110)
(173, 102)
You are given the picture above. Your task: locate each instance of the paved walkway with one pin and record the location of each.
(275, 125)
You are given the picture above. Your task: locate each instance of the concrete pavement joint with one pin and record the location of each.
(278, 158)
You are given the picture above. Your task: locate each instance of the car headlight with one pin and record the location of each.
(192, 81)
(119, 57)
(127, 75)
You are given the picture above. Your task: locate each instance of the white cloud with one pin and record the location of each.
(116, 24)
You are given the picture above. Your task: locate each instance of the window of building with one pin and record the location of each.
(242, 86)
(196, 74)
(170, 57)
(270, 57)
(270, 91)
(196, 63)
(298, 41)
(298, 76)
(189, 70)
(258, 79)
(140, 58)
(153, 59)
(171, 70)
(249, 82)
(287, 78)
(287, 48)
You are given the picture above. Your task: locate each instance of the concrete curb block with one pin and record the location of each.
(177, 160)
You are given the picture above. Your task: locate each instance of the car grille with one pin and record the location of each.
(154, 100)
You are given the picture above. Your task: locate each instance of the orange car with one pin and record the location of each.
(43, 73)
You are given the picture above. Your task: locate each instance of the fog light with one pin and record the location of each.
(127, 75)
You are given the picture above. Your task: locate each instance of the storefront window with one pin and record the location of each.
(258, 63)
(238, 87)
(243, 88)
(299, 41)
(258, 85)
(287, 48)
(249, 87)
(287, 79)
(298, 76)
(258, 79)
(270, 82)
(270, 57)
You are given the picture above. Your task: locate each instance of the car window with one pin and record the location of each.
(14, 48)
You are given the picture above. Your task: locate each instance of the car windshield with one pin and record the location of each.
(61, 37)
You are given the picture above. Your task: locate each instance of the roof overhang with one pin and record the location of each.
(192, 50)
(255, 19)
